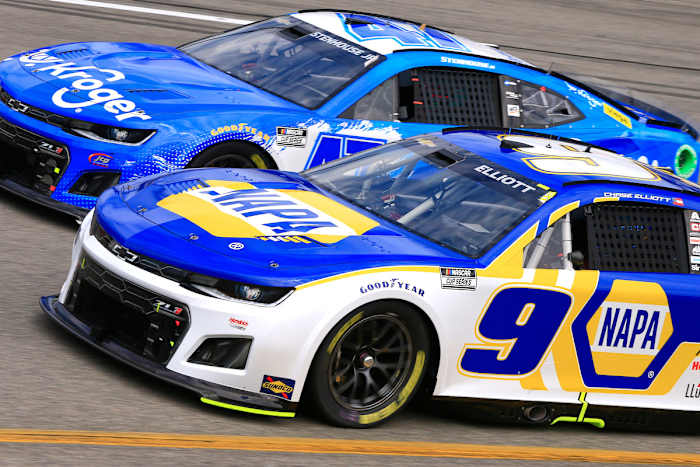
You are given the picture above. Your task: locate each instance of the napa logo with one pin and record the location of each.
(629, 328)
(238, 209)
(626, 328)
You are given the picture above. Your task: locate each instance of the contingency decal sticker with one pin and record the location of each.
(280, 387)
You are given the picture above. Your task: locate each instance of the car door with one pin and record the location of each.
(412, 102)
(603, 311)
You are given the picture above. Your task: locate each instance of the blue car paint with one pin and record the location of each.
(191, 105)
(130, 213)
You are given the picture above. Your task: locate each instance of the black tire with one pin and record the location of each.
(233, 155)
(370, 365)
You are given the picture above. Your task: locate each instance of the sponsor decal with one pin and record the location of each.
(290, 136)
(392, 284)
(695, 259)
(513, 110)
(504, 178)
(616, 115)
(695, 216)
(695, 268)
(510, 83)
(628, 328)
(458, 278)
(695, 366)
(280, 387)
(236, 246)
(241, 210)
(462, 61)
(641, 196)
(87, 86)
(238, 323)
(692, 391)
(592, 101)
(512, 95)
(100, 159)
(695, 226)
(696, 250)
(678, 202)
(242, 128)
(349, 48)
(694, 240)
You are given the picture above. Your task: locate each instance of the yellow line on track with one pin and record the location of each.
(343, 446)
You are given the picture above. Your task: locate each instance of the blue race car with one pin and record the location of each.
(550, 280)
(287, 93)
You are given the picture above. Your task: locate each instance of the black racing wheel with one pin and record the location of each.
(370, 365)
(232, 155)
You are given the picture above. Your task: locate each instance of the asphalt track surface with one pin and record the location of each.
(50, 381)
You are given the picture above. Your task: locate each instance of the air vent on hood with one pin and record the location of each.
(174, 188)
(157, 94)
(74, 53)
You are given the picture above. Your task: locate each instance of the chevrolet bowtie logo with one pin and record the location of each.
(17, 106)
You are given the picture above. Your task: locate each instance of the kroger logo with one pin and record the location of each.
(89, 79)
(629, 328)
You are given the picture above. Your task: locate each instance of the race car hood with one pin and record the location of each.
(262, 227)
(125, 83)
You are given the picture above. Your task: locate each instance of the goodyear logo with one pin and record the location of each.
(235, 209)
(629, 328)
(281, 387)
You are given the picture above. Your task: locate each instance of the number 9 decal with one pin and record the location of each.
(517, 329)
(565, 158)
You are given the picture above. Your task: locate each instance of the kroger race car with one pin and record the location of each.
(287, 93)
(482, 266)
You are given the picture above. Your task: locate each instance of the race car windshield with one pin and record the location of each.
(430, 187)
(287, 57)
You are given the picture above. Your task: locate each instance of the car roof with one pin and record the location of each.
(369, 30)
(557, 162)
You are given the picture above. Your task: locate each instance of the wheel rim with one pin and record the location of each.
(231, 160)
(370, 363)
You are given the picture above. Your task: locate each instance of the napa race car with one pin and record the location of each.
(288, 93)
(483, 266)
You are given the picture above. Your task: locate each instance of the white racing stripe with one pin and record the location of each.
(154, 11)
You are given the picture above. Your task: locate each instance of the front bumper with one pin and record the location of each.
(27, 193)
(209, 393)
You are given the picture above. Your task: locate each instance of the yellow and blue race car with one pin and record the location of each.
(547, 276)
(288, 93)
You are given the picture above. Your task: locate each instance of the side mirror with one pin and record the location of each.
(403, 112)
(577, 259)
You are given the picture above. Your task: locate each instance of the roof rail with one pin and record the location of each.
(376, 15)
(517, 131)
